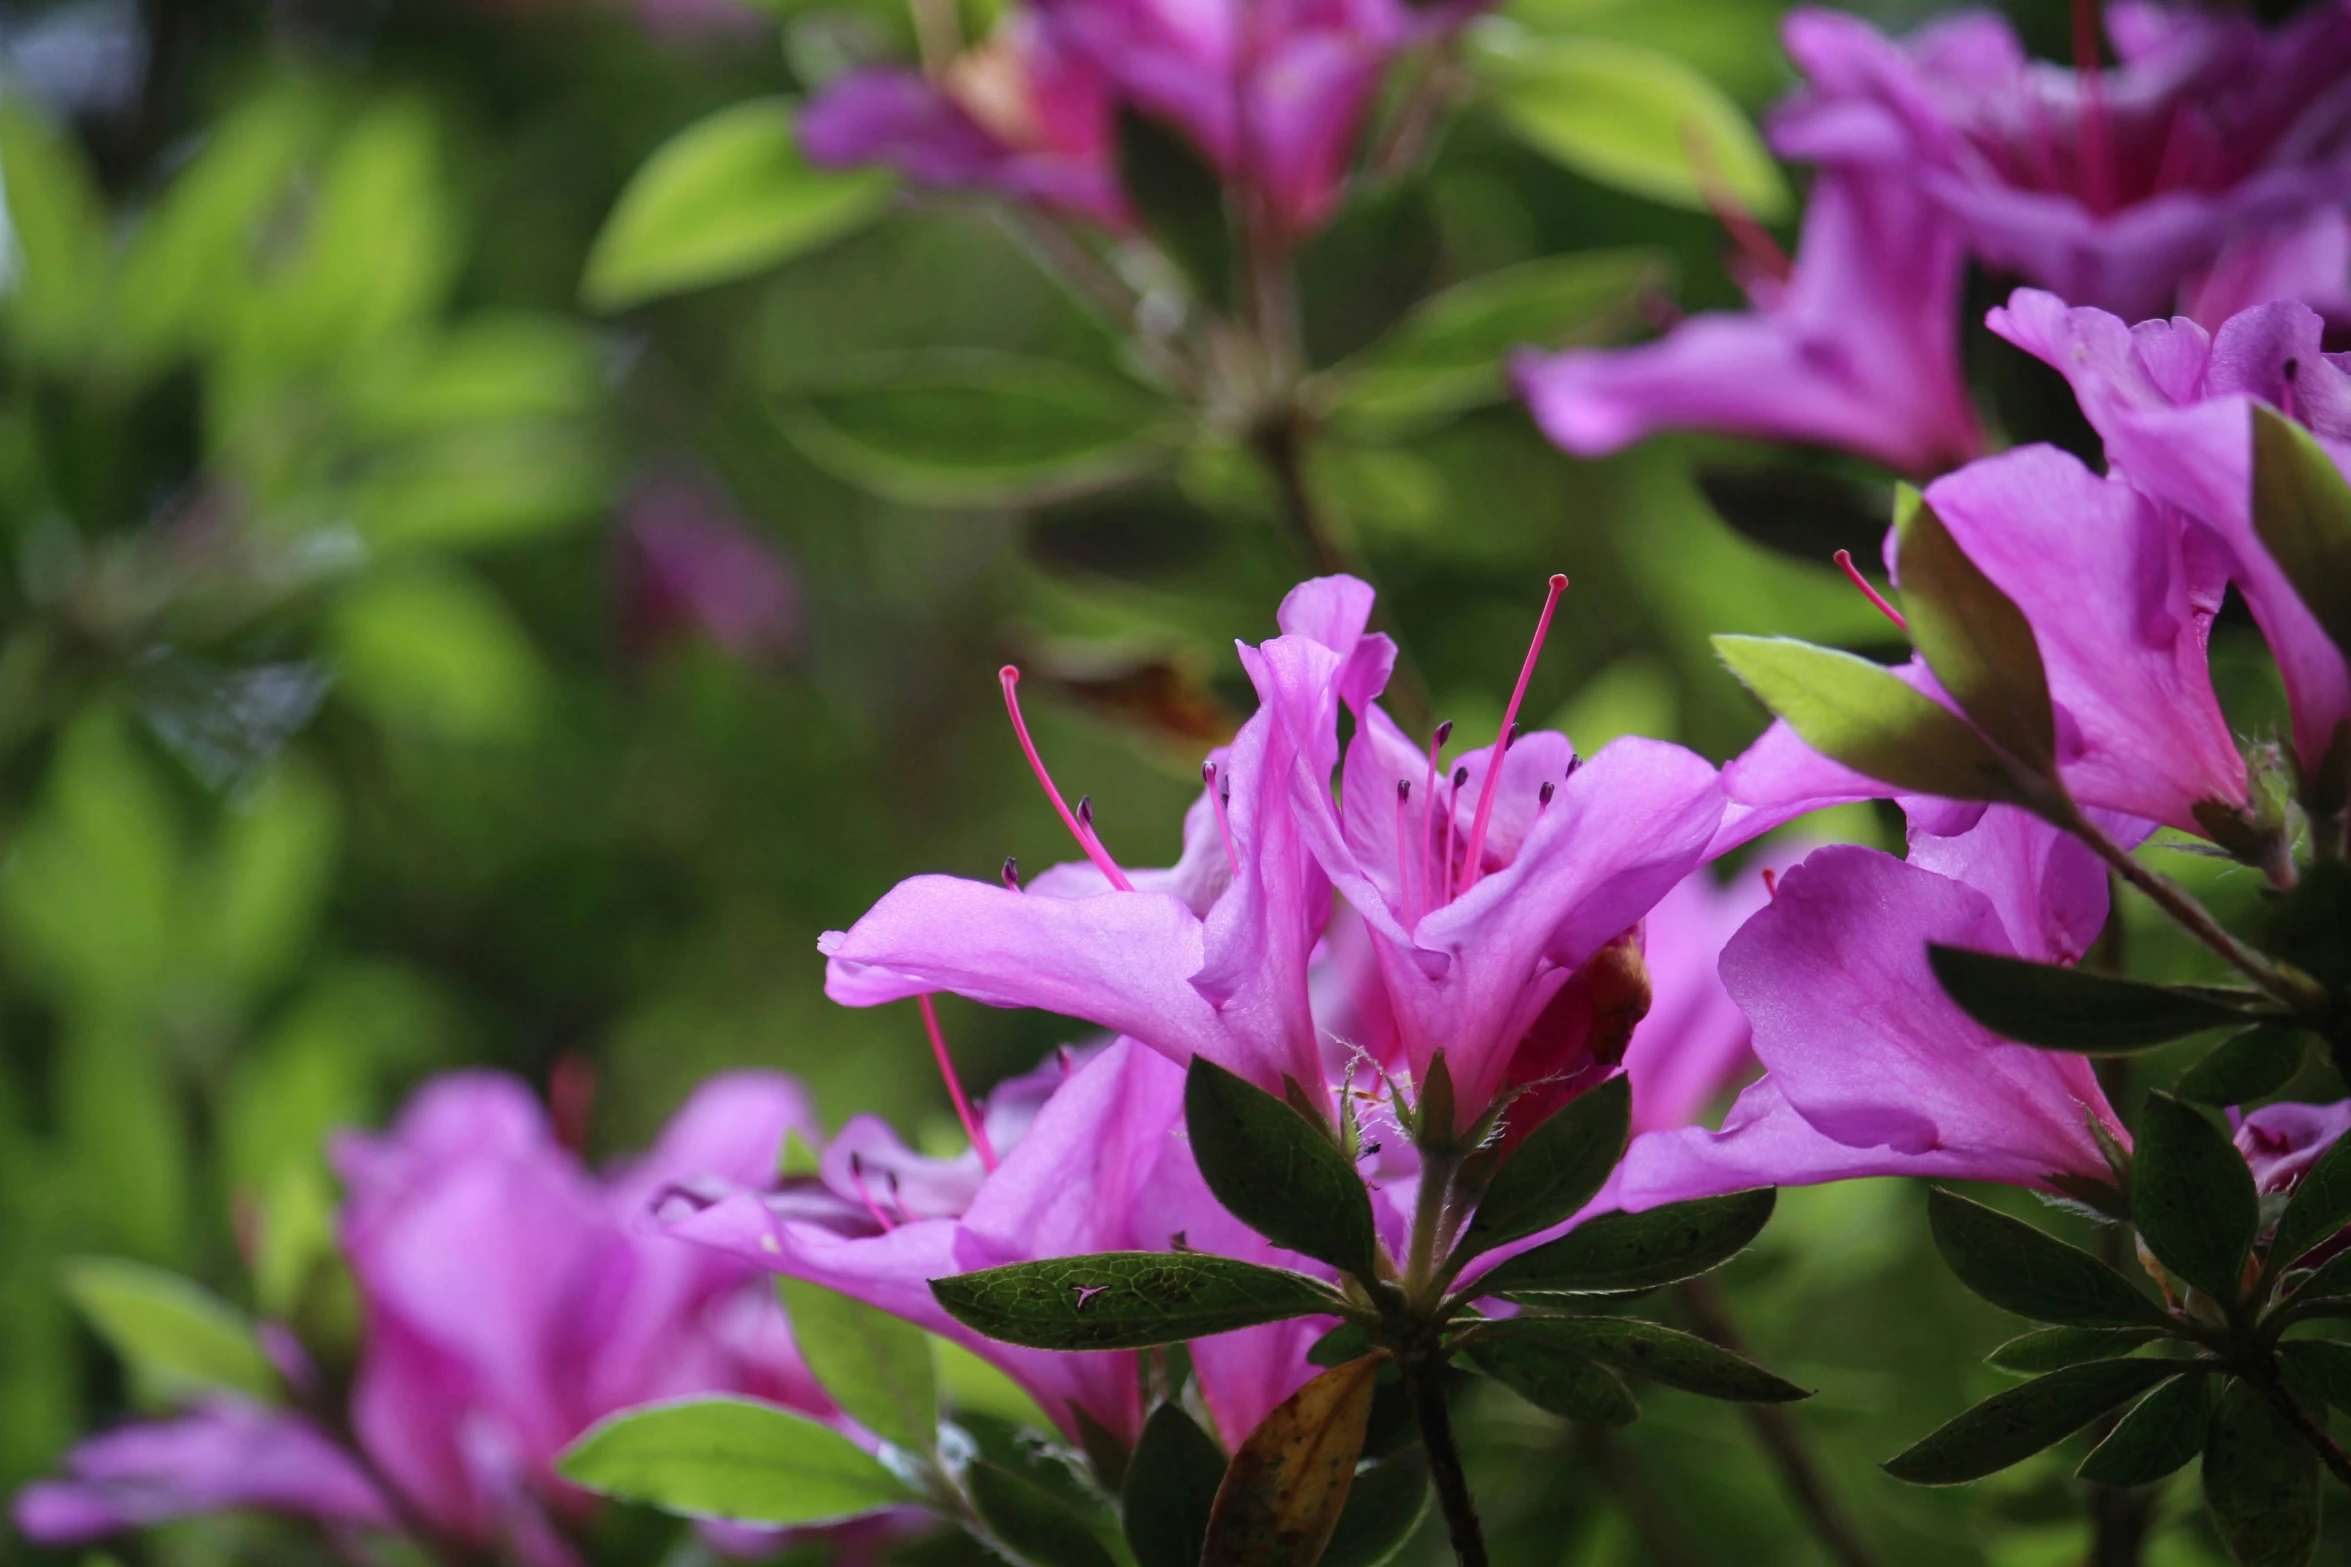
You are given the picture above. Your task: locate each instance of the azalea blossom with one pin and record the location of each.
(1870, 1069)
(1856, 347)
(2282, 1141)
(2173, 404)
(512, 1299)
(2109, 186)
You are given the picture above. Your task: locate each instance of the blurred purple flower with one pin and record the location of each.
(2173, 404)
(1856, 348)
(689, 566)
(512, 1299)
(2282, 1141)
(2109, 186)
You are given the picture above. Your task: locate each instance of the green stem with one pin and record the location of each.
(1424, 1385)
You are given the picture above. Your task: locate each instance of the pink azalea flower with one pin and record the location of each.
(2282, 1141)
(1856, 348)
(2173, 404)
(512, 1300)
(2108, 186)
(690, 566)
(1869, 1068)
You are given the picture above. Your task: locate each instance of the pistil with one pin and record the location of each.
(1009, 675)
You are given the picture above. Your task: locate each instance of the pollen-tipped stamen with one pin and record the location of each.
(1403, 839)
(1217, 795)
(1526, 672)
(1844, 560)
(1009, 677)
(857, 1180)
(963, 1110)
(1428, 819)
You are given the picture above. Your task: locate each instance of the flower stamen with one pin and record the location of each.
(1844, 560)
(857, 1179)
(1009, 675)
(963, 1111)
(1471, 868)
(1218, 794)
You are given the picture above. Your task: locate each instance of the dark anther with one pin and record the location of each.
(1010, 875)
(1403, 790)
(1543, 797)
(1444, 733)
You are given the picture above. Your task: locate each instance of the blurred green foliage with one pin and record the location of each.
(329, 756)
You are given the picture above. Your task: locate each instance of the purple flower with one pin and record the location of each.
(2110, 187)
(1021, 115)
(2282, 1141)
(1869, 1068)
(1100, 1165)
(689, 566)
(1857, 348)
(512, 1299)
(2120, 594)
(2173, 404)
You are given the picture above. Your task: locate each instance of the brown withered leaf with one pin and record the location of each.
(1285, 1487)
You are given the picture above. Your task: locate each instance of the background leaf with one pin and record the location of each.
(2261, 1484)
(875, 1366)
(730, 1458)
(2010, 1427)
(178, 1339)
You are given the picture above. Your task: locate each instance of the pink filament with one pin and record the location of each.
(1526, 672)
(1755, 243)
(1452, 814)
(1010, 676)
(1224, 823)
(857, 1179)
(963, 1111)
(1844, 559)
(1428, 806)
(1403, 838)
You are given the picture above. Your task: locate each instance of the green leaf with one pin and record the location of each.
(1348, 1341)
(1180, 199)
(957, 427)
(2053, 1349)
(1561, 1165)
(2161, 1434)
(1126, 1299)
(434, 652)
(57, 226)
(1570, 1385)
(1627, 116)
(2251, 1065)
(2331, 1280)
(2261, 1483)
(727, 196)
(730, 1458)
(2321, 1366)
(2020, 1269)
(2320, 1207)
(1974, 638)
(177, 1338)
(876, 1367)
(2192, 1198)
(2302, 510)
(1661, 1354)
(1384, 1509)
(1171, 1486)
(2070, 1008)
(1623, 1252)
(2010, 1427)
(1450, 354)
(1856, 712)
(1032, 1522)
(1288, 1483)
(1276, 1171)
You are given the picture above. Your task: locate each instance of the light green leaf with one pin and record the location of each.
(1627, 116)
(955, 428)
(730, 1458)
(177, 1338)
(2302, 510)
(876, 1367)
(435, 652)
(58, 252)
(255, 901)
(1974, 638)
(727, 196)
(480, 485)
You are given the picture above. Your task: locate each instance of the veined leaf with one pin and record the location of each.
(1038, 1527)
(1126, 1299)
(1566, 1383)
(2020, 1269)
(2010, 1427)
(1646, 1349)
(2053, 1349)
(2160, 1434)
(1283, 1494)
(1276, 1171)
(2070, 1008)
(2261, 1483)
(2248, 1066)
(730, 1458)
(1384, 1508)
(1559, 1167)
(2302, 510)
(2192, 1198)
(1623, 1252)
(1974, 638)
(1171, 1487)
(1856, 712)
(875, 1366)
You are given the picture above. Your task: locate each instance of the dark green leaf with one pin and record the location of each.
(2330, 1280)
(1030, 1521)
(1974, 638)
(1346, 1342)
(2321, 1367)
(1567, 1384)
(1856, 712)
(1126, 1299)
(2163, 1432)
(1180, 198)
(2193, 1198)
(730, 1458)
(1288, 1483)
(2070, 1008)
(2010, 1427)
(2261, 1483)
(1646, 1349)
(1622, 1252)
(1170, 1488)
(726, 197)
(1276, 1171)
(967, 427)
(2302, 510)
(2250, 1066)
(1384, 1507)
(1560, 1166)
(2321, 1206)
(2053, 1349)
(1433, 1123)
(2020, 1269)
(875, 1366)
